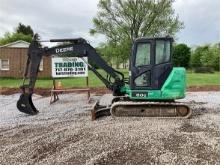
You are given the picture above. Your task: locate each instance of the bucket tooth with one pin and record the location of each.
(25, 104)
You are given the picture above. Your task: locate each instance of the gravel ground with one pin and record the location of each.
(63, 133)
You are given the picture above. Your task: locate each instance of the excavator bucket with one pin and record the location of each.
(25, 104)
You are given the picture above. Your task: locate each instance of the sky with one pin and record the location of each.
(73, 18)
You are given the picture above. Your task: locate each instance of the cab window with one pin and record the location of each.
(162, 51)
(143, 54)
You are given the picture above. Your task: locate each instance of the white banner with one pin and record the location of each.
(69, 67)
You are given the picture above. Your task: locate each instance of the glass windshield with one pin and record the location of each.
(143, 54)
(143, 79)
(162, 51)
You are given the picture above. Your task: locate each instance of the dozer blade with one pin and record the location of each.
(25, 104)
(150, 109)
(99, 111)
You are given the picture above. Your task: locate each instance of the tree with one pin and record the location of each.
(181, 55)
(206, 56)
(128, 19)
(210, 57)
(216, 54)
(22, 32)
(24, 29)
(115, 53)
(196, 56)
(12, 37)
(121, 21)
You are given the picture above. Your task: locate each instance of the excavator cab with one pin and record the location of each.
(150, 63)
(151, 73)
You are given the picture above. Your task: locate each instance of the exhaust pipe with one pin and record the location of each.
(25, 104)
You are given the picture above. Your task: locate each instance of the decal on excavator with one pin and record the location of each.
(140, 94)
(63, 50)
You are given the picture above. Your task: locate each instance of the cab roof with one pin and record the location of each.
(154, 38)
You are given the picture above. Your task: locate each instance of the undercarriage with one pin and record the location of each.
(124, 108)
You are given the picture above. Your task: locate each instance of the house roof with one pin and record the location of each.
(17, 44)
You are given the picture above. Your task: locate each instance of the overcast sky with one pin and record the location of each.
(73, 18)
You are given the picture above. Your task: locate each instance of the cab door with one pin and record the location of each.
(150, 63)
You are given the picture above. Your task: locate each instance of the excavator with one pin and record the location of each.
(151, 90)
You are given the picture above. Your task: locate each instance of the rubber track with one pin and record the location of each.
(153, 103)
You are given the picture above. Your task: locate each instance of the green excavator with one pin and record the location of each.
(151, 90)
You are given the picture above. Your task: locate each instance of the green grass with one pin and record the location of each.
(193, 79)
(201, 79)
(66, 82)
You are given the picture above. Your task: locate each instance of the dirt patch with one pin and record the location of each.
(100, 90)
(187, 127)
(131, 155)
(210, 130)
(46, 92)
(174, 142)
(204, 88)
(10, 91)
(44, 150)
(63, 133)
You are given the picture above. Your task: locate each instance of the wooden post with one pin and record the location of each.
(54, 95)
(87, 86)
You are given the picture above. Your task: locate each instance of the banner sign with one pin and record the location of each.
(69, 67)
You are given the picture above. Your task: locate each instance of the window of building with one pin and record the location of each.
(4, 64)
(41, 67)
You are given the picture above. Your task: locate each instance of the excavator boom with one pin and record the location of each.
(77, 47)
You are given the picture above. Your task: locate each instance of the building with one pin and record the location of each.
(13, 58)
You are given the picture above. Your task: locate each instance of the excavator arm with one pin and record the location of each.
(77, 47)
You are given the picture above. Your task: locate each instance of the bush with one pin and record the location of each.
(203, 70)
(206, 56)
(181, 55)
